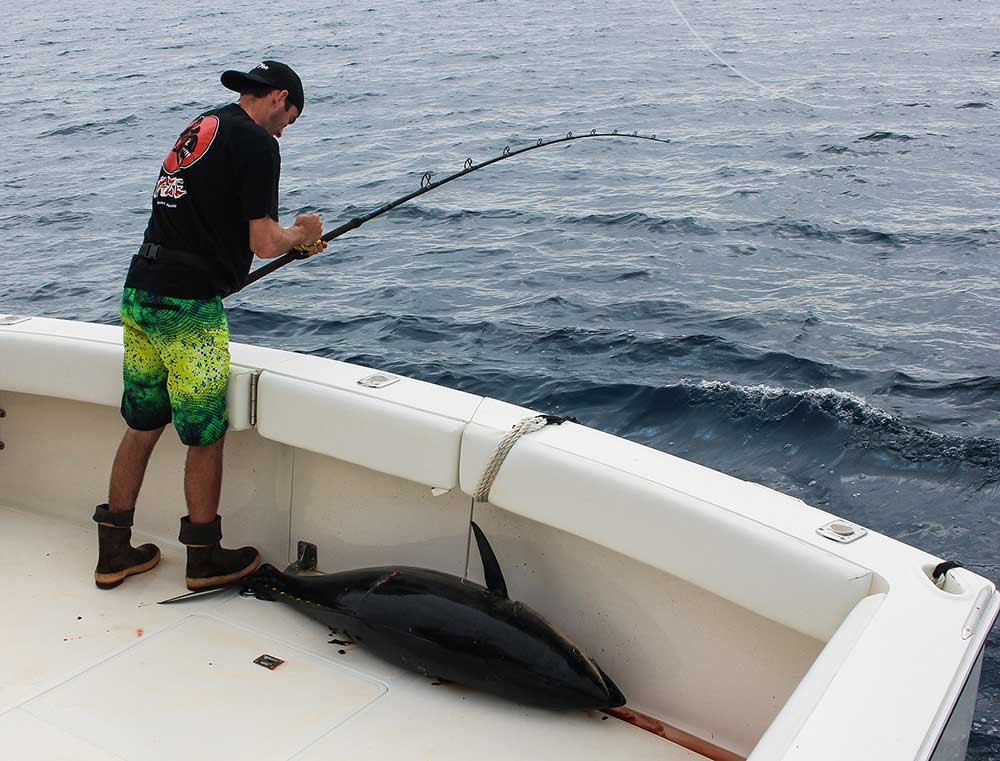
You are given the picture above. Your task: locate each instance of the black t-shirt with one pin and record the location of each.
(221, 173)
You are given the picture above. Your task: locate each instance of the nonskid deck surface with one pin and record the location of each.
(109, 675)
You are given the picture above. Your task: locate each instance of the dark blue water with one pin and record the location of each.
(802, 289)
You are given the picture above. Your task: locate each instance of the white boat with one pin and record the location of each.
(757, 625)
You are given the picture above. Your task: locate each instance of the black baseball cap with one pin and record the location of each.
(271, 73)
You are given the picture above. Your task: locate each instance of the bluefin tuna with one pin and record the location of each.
(445, 627)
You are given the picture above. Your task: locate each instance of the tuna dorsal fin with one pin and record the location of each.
(491, 568)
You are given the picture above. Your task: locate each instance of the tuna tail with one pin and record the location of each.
(266, 583)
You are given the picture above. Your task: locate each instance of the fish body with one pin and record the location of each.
(445, 627)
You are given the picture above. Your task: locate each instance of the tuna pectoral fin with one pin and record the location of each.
(615, 697)
(266, 583)
(491, 568)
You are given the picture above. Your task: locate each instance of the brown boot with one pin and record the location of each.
(116, 557)
(208, 563)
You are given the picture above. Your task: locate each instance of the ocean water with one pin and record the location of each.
(801, 289)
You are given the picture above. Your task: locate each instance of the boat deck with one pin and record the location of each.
(96, 675)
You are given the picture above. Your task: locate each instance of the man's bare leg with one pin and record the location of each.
(208, 563)
(203, 481)
(116, 557)
(129, 468)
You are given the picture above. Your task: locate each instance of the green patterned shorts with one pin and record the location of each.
(176, 365)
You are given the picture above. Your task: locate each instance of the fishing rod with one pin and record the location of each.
(426, 185)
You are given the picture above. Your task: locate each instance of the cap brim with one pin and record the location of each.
(238, 80)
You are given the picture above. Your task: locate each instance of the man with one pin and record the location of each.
(215, 205)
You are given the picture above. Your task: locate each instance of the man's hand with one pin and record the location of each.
(268, 239)
(311, 228)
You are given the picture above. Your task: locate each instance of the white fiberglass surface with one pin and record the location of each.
(111, 675)
(197, 686)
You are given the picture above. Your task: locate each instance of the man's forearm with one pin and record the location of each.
(268, 239)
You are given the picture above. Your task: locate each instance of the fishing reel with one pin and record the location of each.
(306, 250)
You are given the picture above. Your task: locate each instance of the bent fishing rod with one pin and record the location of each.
(426, 185)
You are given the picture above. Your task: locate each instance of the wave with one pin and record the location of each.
(968, 391)
(634, 275)
(185, 106)
(867, 427)
(720, 417)
(110, 125)
(641, 222)
(784, 227)
(787, 434)
(596, 351)
(880, 135)
(768, 401)
(746, 426)
(638, 220)
(590, 341)
(737, 427)
(635, 220)
(790, 228)
(432, 214)
(250, 325)
(341, 99)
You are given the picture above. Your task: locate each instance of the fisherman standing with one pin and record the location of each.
(214, 206)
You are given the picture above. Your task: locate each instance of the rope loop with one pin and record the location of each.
(425, 180)
(468, 163)
(539, 141)
(614, 132)
(593, 132)
(506, 150)
(569, 135)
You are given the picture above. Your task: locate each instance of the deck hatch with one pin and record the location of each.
(268, 661)
(171, 678)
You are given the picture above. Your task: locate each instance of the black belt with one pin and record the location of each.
(154, 252)
(157, 253)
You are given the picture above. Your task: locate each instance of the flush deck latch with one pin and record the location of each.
(378, 380)
(841, 531)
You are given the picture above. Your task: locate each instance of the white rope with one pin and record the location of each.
(528, 425)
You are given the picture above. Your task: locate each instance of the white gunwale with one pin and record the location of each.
(712, 601)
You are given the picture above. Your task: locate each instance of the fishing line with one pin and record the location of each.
(427, 185)
(776, 93)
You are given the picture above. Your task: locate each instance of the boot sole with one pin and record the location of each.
(112, 580)
(215, 581)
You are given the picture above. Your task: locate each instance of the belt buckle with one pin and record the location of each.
(150, 251)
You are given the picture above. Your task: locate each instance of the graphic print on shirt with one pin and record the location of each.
(193, 143)
(169, 187)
